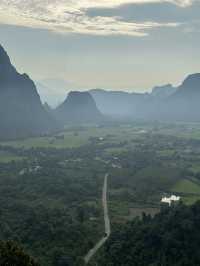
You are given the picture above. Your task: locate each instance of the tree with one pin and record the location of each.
(12, 254)
(171, 238)
(80, 214)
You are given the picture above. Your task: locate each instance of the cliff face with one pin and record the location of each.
(79, 107)
(190, 87)
(165, 103)
(21, 111)
(184, 103)
(162, 92)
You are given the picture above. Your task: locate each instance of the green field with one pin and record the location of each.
(70, 141)
(195, 168)
(186, 186)
(6, 157)
(166, 152)
(189, 189)
(182, 130)
(115, 151)
(139, 211)
(191, 199)
(76, 137)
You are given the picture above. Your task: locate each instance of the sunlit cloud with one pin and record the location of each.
(70, 16)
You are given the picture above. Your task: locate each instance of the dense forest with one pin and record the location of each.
(51, 205)
(171, 238)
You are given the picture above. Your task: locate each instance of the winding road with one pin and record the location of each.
(101, 242)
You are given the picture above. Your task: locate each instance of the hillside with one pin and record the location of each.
(190, 86)
(171, 238)
(21, 111)
(183, 105)
(79, 107)
(163, 103)
(162, 92)
(132, 105)
(119, 103)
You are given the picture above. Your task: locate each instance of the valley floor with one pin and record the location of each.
(51, 187)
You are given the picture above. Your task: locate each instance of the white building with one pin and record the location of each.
(171, 199)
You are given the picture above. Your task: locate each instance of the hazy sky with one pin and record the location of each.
(118, 44)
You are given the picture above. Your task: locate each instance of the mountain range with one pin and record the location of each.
(117, 103)
(22, 113)
(166, 102)
(123, 104)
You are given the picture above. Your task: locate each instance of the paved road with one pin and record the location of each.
(101, 242)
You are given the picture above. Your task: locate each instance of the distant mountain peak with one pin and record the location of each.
(164, 91)
(165, 86)
(80, 98)
(190, 88)
(78, 107)
(6, 67)
(4, 58)
(192, 80)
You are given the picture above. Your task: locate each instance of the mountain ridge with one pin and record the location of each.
(21, 110)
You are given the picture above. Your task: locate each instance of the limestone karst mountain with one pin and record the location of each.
(21, 111)
(79, 107)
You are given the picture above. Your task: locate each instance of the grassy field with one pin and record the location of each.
(138, 211)
(115, 151)
(186, 186)
(189, 189)
(119, 210)
(166, 152)
(191, 199)
(182, 130)
(77, 137)
(195, 168)
(70, 141)
(6, 157)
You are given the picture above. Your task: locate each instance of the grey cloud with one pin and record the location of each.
(157, 12)
(77, 16)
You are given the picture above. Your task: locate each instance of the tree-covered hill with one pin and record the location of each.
(171, 238)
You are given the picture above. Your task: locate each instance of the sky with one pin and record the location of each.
(112, 44)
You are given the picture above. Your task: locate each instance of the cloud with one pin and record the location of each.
(70, 16)
(164, 12)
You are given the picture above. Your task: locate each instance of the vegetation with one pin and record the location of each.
(171, 238)
(12, 254)
(52, 206)
(51, 187)
(9, 157)
(187, 186)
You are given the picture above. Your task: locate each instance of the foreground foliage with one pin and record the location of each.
(12, 254)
